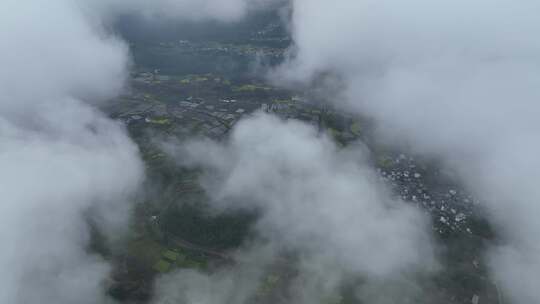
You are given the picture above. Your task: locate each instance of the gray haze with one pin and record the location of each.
(59, 157)
(62, 160)
(458, 79)
(235, 284)
(319, 201)
(192, 10)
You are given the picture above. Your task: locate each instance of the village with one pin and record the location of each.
(172, 235)
(199, 110)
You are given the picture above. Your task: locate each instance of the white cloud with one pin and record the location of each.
(315, 199)
(59, 156)
(458, 79)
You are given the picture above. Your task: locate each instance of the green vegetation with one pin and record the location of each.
(156, 156)
(250, 88)
(152, 154)
(184, 261)
(188, 263)
(268, 285)
(384, 161)
(160, 121)
(171, 255)
(145, 249)
(335, 134)
(150, 252)
(189, 79)
(192, 223)
(356, 128)
(162, 266)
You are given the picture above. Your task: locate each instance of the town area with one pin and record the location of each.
(172, 229)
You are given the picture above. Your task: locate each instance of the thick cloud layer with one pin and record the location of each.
(49, 178)
(317, 200)
(59, 157)
(221, 10)
(236, 284)
(456, 78)
(62, 160)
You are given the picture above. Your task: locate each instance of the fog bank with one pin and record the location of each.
(63, 162)
(455, 79)
(321, 202)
